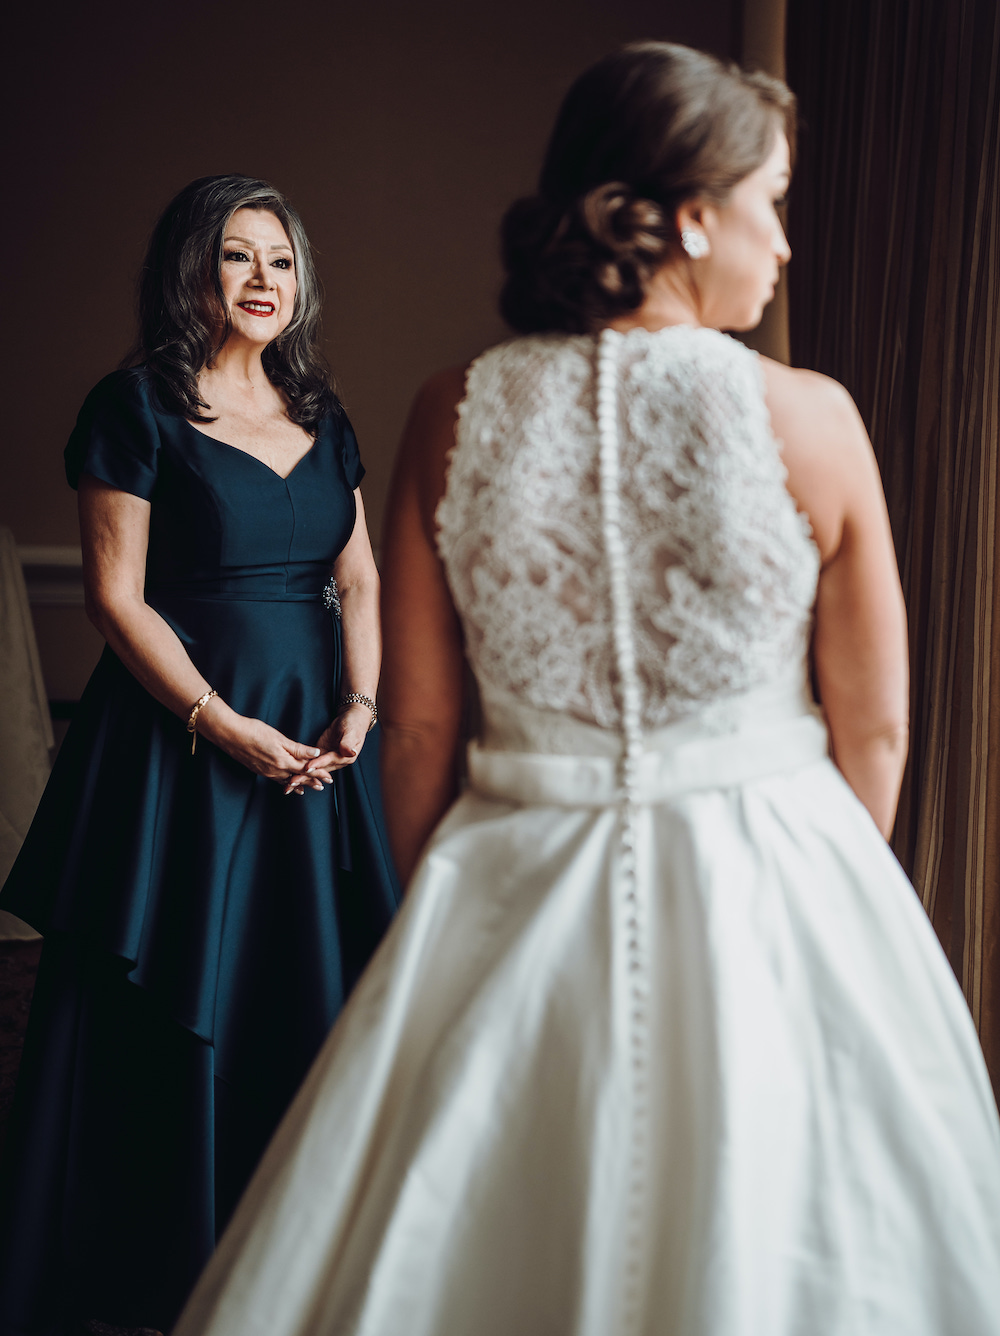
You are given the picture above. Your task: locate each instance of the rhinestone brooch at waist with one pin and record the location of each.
(331, 597)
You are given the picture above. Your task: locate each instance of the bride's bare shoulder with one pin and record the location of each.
(806, 402)
(440, 394)
(430, 427)
(824, 446)
(429, 434)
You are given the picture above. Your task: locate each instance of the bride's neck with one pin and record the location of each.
(670, 300)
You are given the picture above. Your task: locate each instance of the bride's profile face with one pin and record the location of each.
(747, 246)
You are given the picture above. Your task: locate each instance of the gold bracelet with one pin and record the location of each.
(196, 708)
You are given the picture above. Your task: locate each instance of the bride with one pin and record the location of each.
(661, 1041)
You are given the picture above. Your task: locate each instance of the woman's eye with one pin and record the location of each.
(283, 262)
(234, 255)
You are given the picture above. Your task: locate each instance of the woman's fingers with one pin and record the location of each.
(343, 740)
(300, 768)
(300, 750)
(299, 784)
(268, 753)
(332, 761)
(326, 761)
(296, 765)
(317, 780)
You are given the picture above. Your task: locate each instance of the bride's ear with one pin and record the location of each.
(690, 214)
(690, 219)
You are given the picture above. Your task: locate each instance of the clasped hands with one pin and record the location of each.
(267, 752)
(338, 746)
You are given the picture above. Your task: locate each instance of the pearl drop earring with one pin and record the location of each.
(694, 243)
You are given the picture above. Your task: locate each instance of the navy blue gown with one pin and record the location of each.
(201, 929)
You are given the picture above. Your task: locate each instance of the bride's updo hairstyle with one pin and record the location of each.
(638, 133)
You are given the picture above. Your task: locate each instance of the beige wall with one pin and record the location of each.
(401, 130)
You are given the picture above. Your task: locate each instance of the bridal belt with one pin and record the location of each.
(675, 761)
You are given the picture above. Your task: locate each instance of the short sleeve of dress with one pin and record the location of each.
(354, 470)
(116, 437)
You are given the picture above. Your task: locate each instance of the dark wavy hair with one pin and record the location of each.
(183, 321)
(640, 132)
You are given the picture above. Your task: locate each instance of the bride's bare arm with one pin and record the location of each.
(422, 659)
(859, 641)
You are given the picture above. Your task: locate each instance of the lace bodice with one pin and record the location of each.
(721, 566)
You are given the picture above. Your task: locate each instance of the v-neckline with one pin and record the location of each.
(282, 477)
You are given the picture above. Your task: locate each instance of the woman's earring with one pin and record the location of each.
(694, 243)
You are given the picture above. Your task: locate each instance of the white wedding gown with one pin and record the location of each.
(661, 1041)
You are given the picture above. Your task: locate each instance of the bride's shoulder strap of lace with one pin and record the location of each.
(701, 379)
(520, 372)
(508, 389)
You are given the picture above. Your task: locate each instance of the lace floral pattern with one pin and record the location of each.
(722, 571)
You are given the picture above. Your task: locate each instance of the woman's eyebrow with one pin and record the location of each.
(281, 245)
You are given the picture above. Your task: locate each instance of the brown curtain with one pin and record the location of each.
(895, 291)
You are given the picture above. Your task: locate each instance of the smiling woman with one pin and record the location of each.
(263, 263)
(205, 243)
(257, 282)
(201, 931)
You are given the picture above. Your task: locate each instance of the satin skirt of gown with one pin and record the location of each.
(733, 1090)
(201, 932)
